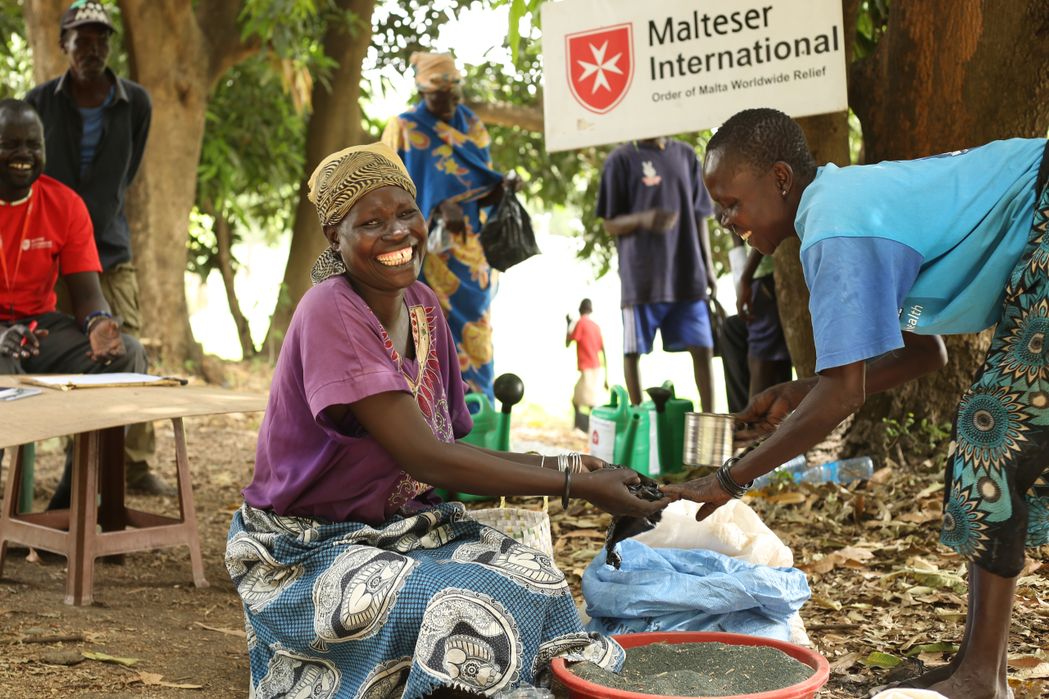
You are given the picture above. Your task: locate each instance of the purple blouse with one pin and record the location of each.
(336, 353)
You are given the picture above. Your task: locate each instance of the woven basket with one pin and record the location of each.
(530, 527)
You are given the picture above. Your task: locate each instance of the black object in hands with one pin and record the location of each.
(507, 237)
(626, 527)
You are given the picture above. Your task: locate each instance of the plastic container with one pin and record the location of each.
(792, 468)
(859, 468)
(485, 432)
(676, 409)
(578, 688)
(616, 432)
(626, 435)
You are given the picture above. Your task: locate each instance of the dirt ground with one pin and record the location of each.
(883, 589)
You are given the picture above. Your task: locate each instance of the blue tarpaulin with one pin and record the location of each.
(690, 590)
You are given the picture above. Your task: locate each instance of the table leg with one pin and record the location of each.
(83, 516)
(111, 514)
(189, 512)
(25, 494)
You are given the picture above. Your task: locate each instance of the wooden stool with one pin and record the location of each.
(98, 474)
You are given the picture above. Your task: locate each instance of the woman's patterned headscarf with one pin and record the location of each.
(435, 71)
(341, 180)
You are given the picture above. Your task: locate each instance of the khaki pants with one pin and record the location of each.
(120, 287)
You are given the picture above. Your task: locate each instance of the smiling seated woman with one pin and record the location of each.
(356, 580)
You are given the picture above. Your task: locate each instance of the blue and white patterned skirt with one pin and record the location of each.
(400, 610)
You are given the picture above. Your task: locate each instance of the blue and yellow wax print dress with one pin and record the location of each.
(451, 161)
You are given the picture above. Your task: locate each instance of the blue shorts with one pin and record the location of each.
(681, 324)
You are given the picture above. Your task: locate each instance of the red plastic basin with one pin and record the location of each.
(578, 688)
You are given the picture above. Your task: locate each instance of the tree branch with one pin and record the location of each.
(218, 22)
(506, 114)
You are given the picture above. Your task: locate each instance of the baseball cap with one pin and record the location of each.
(83, 12)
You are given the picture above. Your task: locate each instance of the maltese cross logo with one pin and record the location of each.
(600, 66)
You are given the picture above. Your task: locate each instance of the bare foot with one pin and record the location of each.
(961, 685)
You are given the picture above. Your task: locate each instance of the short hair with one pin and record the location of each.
(11, 105)
(585, 306)
(763, 136)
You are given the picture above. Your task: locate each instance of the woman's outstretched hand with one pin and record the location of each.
(608, 490)
(705, 491)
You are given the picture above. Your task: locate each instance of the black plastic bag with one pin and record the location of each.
(507, 237)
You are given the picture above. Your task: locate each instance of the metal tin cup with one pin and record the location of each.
(708, 439)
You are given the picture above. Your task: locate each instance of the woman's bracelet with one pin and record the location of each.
(728, 483)
(568, 489)
(572, 461)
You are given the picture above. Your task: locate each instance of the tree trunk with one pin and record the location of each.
(948, 75)
(224, 243)
(42, 18)
(177, 53)
(334, 124)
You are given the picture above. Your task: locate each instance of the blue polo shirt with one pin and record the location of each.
(924, 246)
(657, 267)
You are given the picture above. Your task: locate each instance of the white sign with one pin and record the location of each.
(617, 70)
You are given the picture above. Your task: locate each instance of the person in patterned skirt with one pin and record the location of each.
(895, 255)
(356, 580)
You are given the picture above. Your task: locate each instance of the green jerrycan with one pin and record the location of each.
(648, 460)
(614, 429)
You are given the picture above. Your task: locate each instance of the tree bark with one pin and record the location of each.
(334, 124)
(948, 75)
(42, 18)
(177, 53)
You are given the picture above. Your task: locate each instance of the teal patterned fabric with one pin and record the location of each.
(996, 499)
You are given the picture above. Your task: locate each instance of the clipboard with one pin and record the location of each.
(69, 382)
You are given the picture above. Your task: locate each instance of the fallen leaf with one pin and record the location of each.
(230, 632)
(791, 497)
(941, 647)
(844, 662)
(105, 658)
(883, 660)
(153, 679)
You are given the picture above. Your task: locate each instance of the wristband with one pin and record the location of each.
(728, 483)
(94, 316)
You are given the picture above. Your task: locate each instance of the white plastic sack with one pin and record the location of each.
(898, 693)
(733, 530)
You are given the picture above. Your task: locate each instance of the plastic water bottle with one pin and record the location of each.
(859, 468)
(526, 693)
(794, 467)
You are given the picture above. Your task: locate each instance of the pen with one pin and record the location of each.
(32, 327)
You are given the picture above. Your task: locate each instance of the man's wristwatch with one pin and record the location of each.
(728, 483)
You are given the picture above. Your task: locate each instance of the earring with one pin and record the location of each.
(783, 193)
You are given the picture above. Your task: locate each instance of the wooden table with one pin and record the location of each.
(98, 417)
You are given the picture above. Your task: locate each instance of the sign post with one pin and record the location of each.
(616, 70)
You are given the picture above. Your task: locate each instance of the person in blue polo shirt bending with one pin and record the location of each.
(896, 254)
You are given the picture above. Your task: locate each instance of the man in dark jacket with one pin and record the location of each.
(96, 125)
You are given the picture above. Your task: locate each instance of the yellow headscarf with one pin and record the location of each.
(435, 71)
(343, 178)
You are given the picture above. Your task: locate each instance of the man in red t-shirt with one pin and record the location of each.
(588, 345)
(45, 231)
